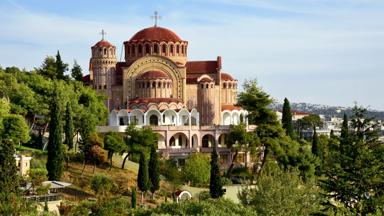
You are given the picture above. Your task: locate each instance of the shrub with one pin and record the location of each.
(101, 184)
(197, 169)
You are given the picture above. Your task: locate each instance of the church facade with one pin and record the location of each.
(190, 104)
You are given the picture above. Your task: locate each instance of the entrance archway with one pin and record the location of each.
(208, 141)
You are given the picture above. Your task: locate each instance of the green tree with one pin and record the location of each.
(287, 119)
(101, 184)
(15, 129)
(133, 198)
(113, 143)
(68, 129)
(48, 68)
(240, 140)
(197, 169)
(76, 72)
(9, 179)
(344, 135)
(154, 171)
(316, 145)
(355, 180)
(37, 176)
(55, 152)
(61, 67)
(281, 193)
(138, 141)
(143, 182)
(216, 185)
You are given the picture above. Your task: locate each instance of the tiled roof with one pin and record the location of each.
(155, 34)
(226, 77)
(103, 43)
(154, 75)
(201, 67)
(230, 107)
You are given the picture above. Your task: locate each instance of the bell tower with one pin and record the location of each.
(102, 65)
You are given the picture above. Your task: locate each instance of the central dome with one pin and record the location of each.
(155, 34)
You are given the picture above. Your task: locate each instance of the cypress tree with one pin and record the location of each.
(287, 119)
(344, 135)
(55, 154)
(9, 180)
(68, 126)
(215, 184)
(133, 198)
(316, 148)
(143, 182)
(61, 67)
(76, 72)
(154, 171)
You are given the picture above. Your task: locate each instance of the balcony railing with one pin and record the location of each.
(219, 150)
(44, 198)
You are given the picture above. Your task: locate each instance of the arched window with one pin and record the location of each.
(205, 142)
(154, 85)
(202, 86)
(147, 49)
(105, 51)
(172, 141)
(140, 49)
(182, 49)
(177, 49)
(156, 49)
(224, 85)
(129, 49)
(171, 49)
(133, 50)
(148, 84)
(164, 48)
(207, 86)
(153, 120)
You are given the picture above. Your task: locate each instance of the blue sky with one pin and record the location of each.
(318, 51)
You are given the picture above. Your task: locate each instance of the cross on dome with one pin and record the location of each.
(156, 17)
(103, 33)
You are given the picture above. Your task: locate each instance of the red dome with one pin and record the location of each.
(103, 43)
(154, 75)
(155, 34)
(226, 77)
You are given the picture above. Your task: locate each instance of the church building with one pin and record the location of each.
(190, 104)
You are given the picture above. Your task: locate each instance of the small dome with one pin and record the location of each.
(103, 43)
(154, 75)
(155, 34)
(205, 79)
(226, 77)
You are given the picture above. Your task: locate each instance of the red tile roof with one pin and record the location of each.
(226, 77)
(201, 67)
(154, 75)
(230, 107)
(155, 34)
(87, 79)
(103, 43)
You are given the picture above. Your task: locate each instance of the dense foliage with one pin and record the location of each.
(197, 169)
(355, 179)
